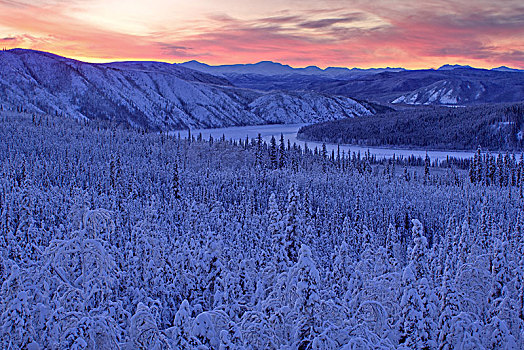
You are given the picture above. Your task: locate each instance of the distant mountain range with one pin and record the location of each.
(270, 68)
(154, 95)
(447, 85)
(497, 69)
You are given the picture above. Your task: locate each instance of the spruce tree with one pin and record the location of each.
(282, 152)
(292, 225)
(419, 253)
(307, 279)
(273, 156)
(427, 164)
(175, 182)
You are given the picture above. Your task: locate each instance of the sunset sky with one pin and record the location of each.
(370, 33)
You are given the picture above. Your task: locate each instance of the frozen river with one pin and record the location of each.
(290, 133)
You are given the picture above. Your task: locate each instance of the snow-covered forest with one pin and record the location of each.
(117, 239)
(492, 126)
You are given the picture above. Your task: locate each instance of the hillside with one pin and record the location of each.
(495, 127)
(152, 95)
(446, 86)
(465, 86)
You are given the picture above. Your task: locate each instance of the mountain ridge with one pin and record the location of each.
(276, 68)
(448, 85)
(153, 95)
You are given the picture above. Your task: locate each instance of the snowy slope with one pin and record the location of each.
(153, 95)
(465, 91)
(444, 92)
(306, 107)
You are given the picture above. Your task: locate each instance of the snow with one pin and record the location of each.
(399, 99)
(433, 97)
(443, 92)
(412, 99)
(118, 239)
(448, 98)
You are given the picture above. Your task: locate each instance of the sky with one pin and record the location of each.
(342, 33)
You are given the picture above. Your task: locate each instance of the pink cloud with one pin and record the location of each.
(364, 34)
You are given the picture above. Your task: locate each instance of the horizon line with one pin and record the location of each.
(94, 60)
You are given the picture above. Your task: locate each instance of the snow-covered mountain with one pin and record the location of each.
(497, 69)
(430, 86)
(306, 107)
(465, 91)
(445, 92)
(153, 95)
(454, 66)
(507, 69)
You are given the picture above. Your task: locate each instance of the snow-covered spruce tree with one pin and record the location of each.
(277, 233)
(418, 313)
(411, 315)
(429, 320)
(427, 164)
(508, 312)
(180, 337)
(175, 182)
(231, 298)
(393, 247)
(464, 244)
(273, 156)
(441, 252)
(247, 281)
(304, 281)
(16, 330)
(342, 269)
(519, 285)
(324, 342)
(292, 228)
(210, 273)
(349, 235)
(259, 331)
(449, 308)
(204, 330)
(358, 226)
(231, 338)
(143, 332)
(500, 337)
(483, 232)
(464, 332)
(499, 277)
(282, 155)
(418, 305)
(419, 253)
(84, 271)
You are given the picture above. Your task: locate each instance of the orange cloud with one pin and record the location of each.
(363, 34)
